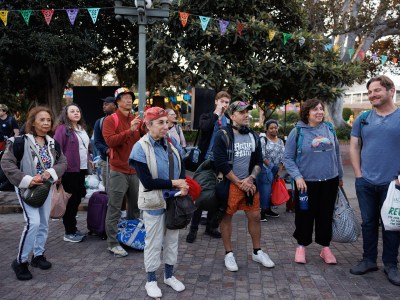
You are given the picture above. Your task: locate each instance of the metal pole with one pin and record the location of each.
(142, 68)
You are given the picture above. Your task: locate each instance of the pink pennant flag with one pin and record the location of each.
(72, 13)
(361, 54)
(184, 18)
(394, 59)
(48, 14)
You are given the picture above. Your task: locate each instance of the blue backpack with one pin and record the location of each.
(300, 138)
(363, 121)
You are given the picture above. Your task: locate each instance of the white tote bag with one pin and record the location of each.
(390, 211)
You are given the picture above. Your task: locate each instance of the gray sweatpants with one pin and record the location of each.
(119, 185)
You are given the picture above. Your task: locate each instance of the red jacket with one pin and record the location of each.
(120, 140)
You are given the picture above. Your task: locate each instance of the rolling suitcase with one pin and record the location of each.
(96, 214)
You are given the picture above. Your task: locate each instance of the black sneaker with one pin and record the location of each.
(213, 232)
(21, 270)
(40, 262)
(191, 237)
(203, 221)
(271, 213)
(263, 217)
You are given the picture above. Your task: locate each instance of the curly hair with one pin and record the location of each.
(307, 106)
(29, 128)
(63, 117)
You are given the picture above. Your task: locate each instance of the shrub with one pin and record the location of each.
(190, 135)
(347, 112)
(343, 133)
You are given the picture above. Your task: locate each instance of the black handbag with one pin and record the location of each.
(179, 212)
(179, 209)
(191, 160)
(37, 194)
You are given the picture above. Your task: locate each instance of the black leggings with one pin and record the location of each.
(73, 183)
(321, 201)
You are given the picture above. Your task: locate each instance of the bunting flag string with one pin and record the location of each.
(72, 13)
(94, 12)
(48, 14)
(26, 14)
(204, 22)
(3, 16)
(223, 26)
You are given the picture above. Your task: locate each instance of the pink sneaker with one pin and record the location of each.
(327, 256)
(300, 256)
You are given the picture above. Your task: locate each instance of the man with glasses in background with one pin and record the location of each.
(238, 161)
(8, 126)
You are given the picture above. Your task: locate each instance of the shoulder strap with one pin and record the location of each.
(101, 124)
(363, 122)
(116, 120)
(299, 142)
(18, 147)
(57, 147)
(171, 160)
(178, 130)
(331, 128)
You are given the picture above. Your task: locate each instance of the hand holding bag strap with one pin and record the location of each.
(171, 161)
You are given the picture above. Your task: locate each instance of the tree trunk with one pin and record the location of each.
(57, 78)
(335, 109)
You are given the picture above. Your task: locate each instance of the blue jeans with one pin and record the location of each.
(370, 199)
(264, 185)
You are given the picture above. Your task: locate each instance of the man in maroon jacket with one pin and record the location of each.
(121, 131)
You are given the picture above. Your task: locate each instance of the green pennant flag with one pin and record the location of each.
(26, 14)
(286, 36)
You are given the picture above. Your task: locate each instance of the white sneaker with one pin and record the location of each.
(175, 284)
(152, 289)
(263, 259)
(118, 251)
(230, 262)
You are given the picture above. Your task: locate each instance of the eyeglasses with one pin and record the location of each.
(172, 115)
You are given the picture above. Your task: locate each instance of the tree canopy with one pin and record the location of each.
(251, 66)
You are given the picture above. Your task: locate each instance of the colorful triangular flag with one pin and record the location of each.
(383, 59)
(48, 14)
(286, 36)
(239, 27)
(271, 34)
(26, 14)
(204, 22)
(394, 59)
(361, 54)
(93, 12)
(328, 46)
(72, 13)
(351, 52)
(3, 16)
(374, 57)
(302, 40)
(223, 26)
(184, 18)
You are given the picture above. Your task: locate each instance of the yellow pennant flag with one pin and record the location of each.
(271, 34)
(3, 16)
(336, 48)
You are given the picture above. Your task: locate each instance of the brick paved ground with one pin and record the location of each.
(88, 271)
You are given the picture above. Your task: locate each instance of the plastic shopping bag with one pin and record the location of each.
(390, 211)
(280, 193)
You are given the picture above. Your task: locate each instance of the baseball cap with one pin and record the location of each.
(238, 106)
(108, 99)
(4, 107)
(154, 113)
(121, 91)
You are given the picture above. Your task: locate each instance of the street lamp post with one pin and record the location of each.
(142, 14)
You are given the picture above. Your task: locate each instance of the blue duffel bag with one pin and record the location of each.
(132, 233)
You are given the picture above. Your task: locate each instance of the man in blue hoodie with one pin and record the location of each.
(374, 144)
